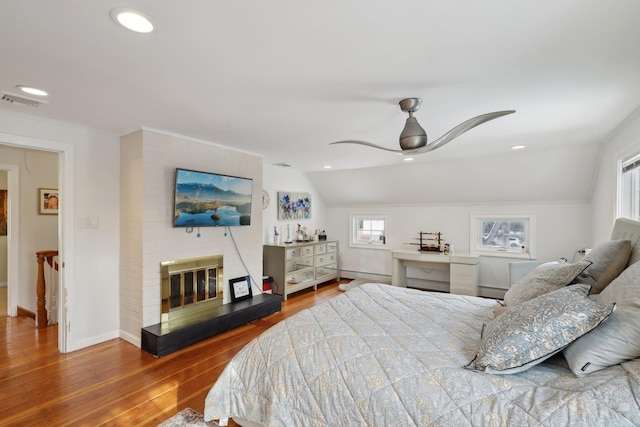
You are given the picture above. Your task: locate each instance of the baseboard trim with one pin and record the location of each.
(27, 313)
(130, 338)
(371, 277)
(487, 292)
(92, 341)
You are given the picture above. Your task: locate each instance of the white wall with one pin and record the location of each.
(149, 159)
(561, 229)
(277, 179)
(94, 268)
(624, 141)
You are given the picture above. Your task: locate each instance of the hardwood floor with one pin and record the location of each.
(115, 383)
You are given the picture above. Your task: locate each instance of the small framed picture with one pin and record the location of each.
(48, 201)
(240, 288)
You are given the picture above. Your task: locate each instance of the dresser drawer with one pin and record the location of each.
(292, 253)
(321, 248)
(327, 258)
(327, 270)
(300, 277)
(306, 251)
(298, 264)
(332, 247)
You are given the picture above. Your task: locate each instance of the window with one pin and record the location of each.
(369, 231)
(503, 235)
(629, 188)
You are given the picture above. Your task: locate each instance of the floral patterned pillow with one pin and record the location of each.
(545, 278)
(534, 330)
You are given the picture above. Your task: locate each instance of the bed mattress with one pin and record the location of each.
(383, 355)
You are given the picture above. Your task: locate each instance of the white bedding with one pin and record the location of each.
(382, 355)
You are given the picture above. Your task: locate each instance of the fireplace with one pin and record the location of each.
(192, 307)
(190, 288)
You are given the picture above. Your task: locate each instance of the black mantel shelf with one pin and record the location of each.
(161, 341)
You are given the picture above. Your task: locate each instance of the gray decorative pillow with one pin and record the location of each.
(608, 259)
(533, 331)
(618, 339)
(545, 278)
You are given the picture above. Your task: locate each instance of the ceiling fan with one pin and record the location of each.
(413, 139)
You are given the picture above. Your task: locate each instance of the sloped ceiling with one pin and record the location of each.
(563, 174)
(284, 78)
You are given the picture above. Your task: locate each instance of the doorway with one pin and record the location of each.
(65, 230)
(3, 243)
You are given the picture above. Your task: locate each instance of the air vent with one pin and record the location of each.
(283, 165)
(12, 98)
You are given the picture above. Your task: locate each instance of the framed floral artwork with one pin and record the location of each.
(294, 205)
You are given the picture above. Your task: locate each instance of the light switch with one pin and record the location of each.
(89, 222)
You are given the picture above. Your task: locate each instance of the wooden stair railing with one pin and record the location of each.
(41, 288)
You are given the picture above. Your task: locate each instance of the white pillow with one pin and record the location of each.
(608, 259)
(618, 339)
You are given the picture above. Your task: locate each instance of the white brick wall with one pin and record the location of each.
(131, 227)
(147, 219)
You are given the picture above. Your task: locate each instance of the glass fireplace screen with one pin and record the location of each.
(189, 282)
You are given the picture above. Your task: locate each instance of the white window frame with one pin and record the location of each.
(628, 188)
(475, 236)
(354, 243)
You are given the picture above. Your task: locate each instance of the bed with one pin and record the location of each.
(383, 355)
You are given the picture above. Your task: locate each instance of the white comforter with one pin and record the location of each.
(380, 355)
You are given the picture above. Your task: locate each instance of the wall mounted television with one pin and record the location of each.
(204, 199)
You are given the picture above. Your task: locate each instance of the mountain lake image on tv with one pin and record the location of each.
(205, 199)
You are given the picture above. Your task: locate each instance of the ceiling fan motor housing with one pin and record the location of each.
(413, 135)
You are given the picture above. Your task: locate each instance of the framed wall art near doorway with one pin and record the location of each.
(3, 212)
(48, 201)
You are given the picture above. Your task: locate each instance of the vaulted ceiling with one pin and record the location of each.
(285, 78)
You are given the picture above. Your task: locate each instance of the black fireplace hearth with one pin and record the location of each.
(165, 338)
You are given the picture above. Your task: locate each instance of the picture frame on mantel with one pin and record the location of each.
(48, 201)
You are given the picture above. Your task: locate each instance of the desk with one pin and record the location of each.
(463, 269)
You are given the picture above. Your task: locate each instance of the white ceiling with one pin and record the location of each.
(285, 78)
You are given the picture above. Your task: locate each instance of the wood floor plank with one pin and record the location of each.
(115, 383)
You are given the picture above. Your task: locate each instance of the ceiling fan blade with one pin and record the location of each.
(458, 130)
(368, 144)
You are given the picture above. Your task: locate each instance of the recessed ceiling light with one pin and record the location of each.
(518, 147)
(133, 20)
(327, 166)
(408, 159)
(32, 90)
